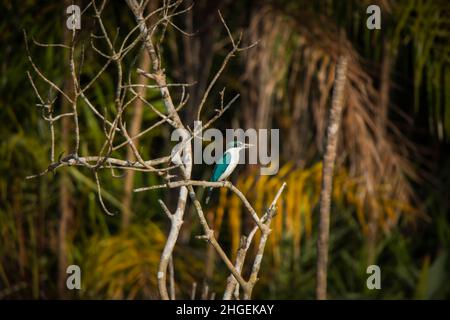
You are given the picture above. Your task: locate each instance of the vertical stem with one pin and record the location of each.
(171, 279)
(134, 130)
(65, 192)
(327, 177)
(160, 79)
(240, 257)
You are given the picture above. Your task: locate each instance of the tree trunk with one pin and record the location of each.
(135, 128)
(327, 177)
(65, 190)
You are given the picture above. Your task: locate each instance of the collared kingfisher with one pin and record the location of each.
(226, 164)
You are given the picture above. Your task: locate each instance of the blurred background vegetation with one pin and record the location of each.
(391, 196)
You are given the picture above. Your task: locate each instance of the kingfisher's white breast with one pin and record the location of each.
(234, 153)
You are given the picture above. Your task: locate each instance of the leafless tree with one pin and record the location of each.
(334, 122)
(127, 94)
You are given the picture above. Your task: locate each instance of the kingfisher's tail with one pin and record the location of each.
(208, 195)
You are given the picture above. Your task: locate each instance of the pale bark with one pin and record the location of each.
(327, 177)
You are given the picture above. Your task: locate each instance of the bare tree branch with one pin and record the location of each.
(149, 32)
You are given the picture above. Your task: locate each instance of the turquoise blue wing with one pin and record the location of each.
(221, 166)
